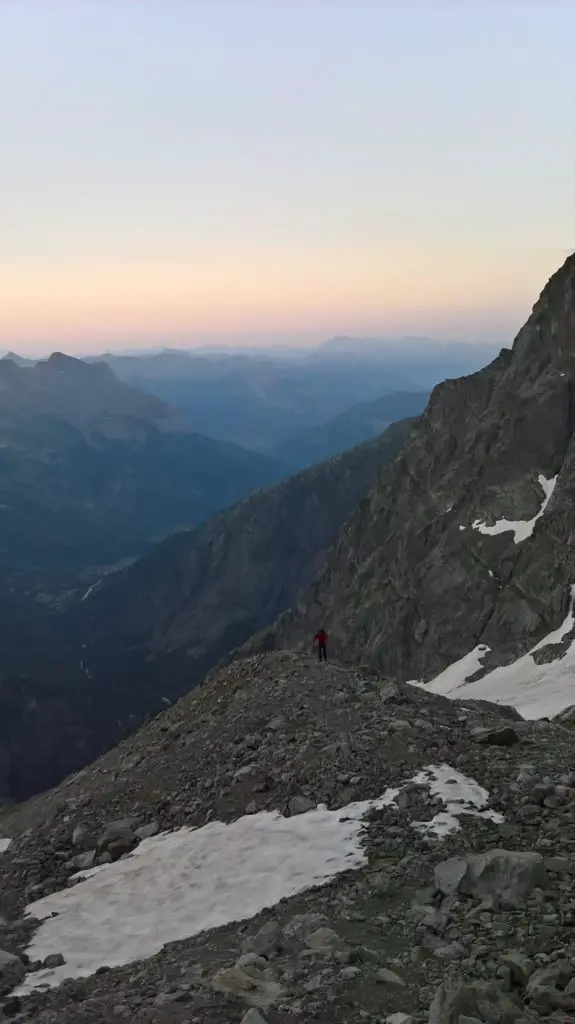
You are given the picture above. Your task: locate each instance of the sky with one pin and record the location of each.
(182, 171)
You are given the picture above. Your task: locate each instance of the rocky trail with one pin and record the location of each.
(435, 883)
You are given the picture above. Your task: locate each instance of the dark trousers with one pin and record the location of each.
(322, 652)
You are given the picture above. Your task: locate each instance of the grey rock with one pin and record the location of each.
(455, 999)
(555, 976)
(449, 874)
(520, 966)
(12, 1006)
(386, 977)
(147, 831)
(12, 971)
(118, 838)
(83, 837)
(302, 925)
(505, 736)
(559, 865)
(299, 805)
(266, 940)
(324, 938)
(509, 874)
(53, 960)
(253, 1016)
(85, 861)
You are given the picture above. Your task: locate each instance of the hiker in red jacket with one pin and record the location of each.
(320, 639)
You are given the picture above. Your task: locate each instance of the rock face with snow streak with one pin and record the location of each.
(427, 569)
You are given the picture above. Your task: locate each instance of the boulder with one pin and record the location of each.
(505, 736)
(299, 805)
(256, 987)
(265, 941)
(324, 938)
(85, 861)
(147, 831)
(253, 1016)
(556, 976)
(302, 925)
(117, 838)
(386, 977)
(455, 999)
(510, 874)
(83, 838)
(520, 966)
(12, 971)
(566, 717)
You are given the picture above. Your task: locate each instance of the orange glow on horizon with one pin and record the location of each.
(319, 290)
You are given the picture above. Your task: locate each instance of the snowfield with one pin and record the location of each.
(522, 528)
(537, 691)
(180, 883)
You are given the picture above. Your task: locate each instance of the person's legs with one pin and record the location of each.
(319, 652)
(322, 652)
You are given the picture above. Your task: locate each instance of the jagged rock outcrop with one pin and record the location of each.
(427, 569)
(460, 903)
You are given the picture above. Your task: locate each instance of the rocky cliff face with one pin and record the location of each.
(432, 565)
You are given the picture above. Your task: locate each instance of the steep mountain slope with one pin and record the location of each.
(436, 877)
(147, 634)
(352, 427)
(467, 539)
(91, 470)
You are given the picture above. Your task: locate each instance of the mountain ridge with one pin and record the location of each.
(414, 581)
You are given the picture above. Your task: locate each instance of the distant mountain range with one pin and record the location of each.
(261, 400)
(352, 427)
(92, 471)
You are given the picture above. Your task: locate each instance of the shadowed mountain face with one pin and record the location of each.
(91, 471)
(148, 633)
(468, 537)
(352, 427)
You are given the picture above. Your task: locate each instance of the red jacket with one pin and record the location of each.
(321, 637)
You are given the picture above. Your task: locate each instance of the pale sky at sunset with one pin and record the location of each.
(180, 169)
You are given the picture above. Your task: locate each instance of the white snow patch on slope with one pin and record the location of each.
(537, 691)
(4, 844)
(522, 528)
(177, 884)
(460, 795)
(455, 675)
(90, 589)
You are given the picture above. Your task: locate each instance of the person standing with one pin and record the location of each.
(320, 640)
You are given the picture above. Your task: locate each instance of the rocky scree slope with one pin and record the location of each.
(476, 924)
(145, 635)
(450, 550)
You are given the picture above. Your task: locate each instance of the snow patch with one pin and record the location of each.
(180, 883)
(522, 528)
(456, 674)
(90, 589)
(460, 795)
(537, 691)
(4, 844)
